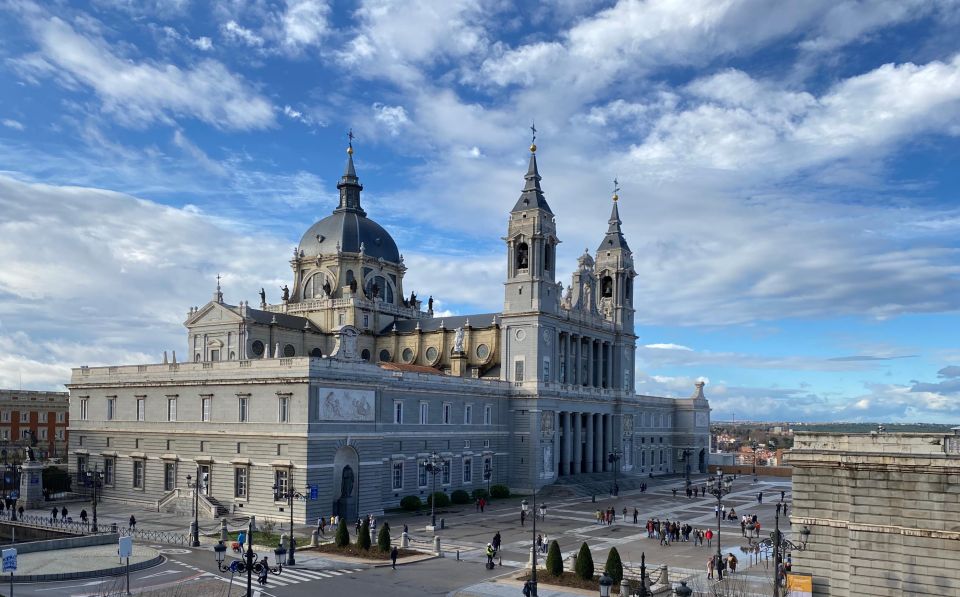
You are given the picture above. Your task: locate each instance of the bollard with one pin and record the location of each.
(404, 540)
(664, 575)
(458, 554)
(443, 524)
(593, 498)
(437, 550)
(624, 587)
(283, 539)
(113, 527)
(223, 530)
(314, 539)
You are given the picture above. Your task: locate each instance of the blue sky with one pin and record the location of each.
(788, 173)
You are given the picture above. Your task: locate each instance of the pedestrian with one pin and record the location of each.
(53, 513)
(393, 556)
(133, 522)
(63, 514)
(20, 512)
(732, 562)
(83, 516)
(636, 514)
(624, 519)
(674, 492)
(358, 525)
(496, 541)
(527, 589)
(783, 495)
(264, 568)
(241, 539)
(710, 566)
(523, 517)
(721, 565)
(743, 526)
(709, 535)
(483, 503)
(543, 512)
(723, 511)
(760, 497)
(539, 542)
(784, 508)
(405, 529)
(323, 526)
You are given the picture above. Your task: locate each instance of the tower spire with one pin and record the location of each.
(349, 184)
(614, 238)
(532, 195)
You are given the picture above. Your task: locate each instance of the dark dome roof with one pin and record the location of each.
(349, 228)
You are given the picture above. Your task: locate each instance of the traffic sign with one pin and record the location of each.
(126, 547)
(9, 559)
(314, 492)
(234, 566)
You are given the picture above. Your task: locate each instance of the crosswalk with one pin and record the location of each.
(288, 576)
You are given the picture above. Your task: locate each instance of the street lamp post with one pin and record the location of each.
(288, 495)
(248, 562)
(686, 454)
(719, 486)
(778, 543)
(643, 575)
(95, 477)
(487, 474)
(14, 472)
(614, 459)
(195, 542)
(434, 465)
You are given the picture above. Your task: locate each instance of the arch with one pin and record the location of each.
(606, 286)
(316, 353)
(365, 355)
(386, 288)
(313, 287)
(257, 347)
(196, 358)
(523, 256)
(233, 356)
(346, 482)
(547, 250)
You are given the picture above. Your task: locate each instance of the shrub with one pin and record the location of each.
(443, 500)
(614, 566)
(363, 539)
(554, 559)
(411, 503)
(499, 491)
(584, 567)
(383, 538)
(480, 494)
(342, 538)
(460, 497)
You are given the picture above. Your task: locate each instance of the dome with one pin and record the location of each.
(349, 229)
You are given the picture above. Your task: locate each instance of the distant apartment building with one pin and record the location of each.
(27, 415)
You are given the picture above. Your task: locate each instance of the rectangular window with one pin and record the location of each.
(486, 443)
(43, 417)
(468, 414)
(81, 464)
(206, 405)
(43, 433)
(138, 474)
(111, 408)
(280, 478)
(61, 417)
(398, 475)
(468, 470)
(546, 369)
(108, 466)
(284, 406)
(5, 434)
(488, 415)
(398, 412)
(169, 476)
(5, 415)
(24, 434)
(366, 320)
(141, 409)
(240, 482)
(446, 414)
(445, 478)
(171, 409)
(242, 415)
(24, 417)
(60, 434)
(466, 444)
(421, 474)
(518, 371)
(424, 413)
(214, 355)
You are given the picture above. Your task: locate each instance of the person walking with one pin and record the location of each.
(543, 512)
(63, 514)
(53, 514)
(393, 556)
(264, 571)
(710, 566)
(496, 542)
(483, 504)
(783, 495)
(83, 516)
(527, 589)
(709, 535)
(743, 526)
(760, 497)
(636, 515)
(322, 525)
(523, 517)
(133, 522)
(624, 519)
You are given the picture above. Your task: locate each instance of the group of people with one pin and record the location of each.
(716, 565)
(7, 507)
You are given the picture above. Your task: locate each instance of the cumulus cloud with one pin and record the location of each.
(140, 93)
(393, 118)
(232, 31)
(12, 124)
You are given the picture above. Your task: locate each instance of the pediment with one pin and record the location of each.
(212, 314)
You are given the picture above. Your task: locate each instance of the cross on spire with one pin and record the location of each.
(533, 129)
(218, 282)
(616, 188)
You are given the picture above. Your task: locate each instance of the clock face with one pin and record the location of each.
(521, 335)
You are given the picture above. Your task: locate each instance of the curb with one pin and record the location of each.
(116, 571)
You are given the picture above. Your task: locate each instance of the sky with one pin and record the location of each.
(788, 173)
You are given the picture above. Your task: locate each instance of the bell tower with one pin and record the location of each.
(531, 239)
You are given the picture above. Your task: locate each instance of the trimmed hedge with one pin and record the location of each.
(363, 539)
(499, 491)
(460, 497)
(342, 539)
(411, 503)
(480, 494)
(554, 559)
(383, 538)
(614, 566)
(443, 500)
(584, 567)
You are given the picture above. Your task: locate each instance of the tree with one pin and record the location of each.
(554, 559)
(383, 538)
(614, 566)
(342, 539)
(363, 539)
(584, 568)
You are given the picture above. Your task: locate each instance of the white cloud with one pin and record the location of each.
(139, 93)
(234, 32)
(12, 124)
(304, 23)
(202, 43)
(668, 346)
(393, 118)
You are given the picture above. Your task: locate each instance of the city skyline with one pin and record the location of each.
(785, 173)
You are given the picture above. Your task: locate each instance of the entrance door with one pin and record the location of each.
(205, 478)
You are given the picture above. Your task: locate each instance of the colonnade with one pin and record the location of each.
(586, 361)
(585, 441)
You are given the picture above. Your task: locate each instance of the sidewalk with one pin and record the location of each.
(80, 562)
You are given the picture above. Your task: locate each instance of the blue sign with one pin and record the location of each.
(234, 565)
(34, 478)
(314, 492)
(14, 495)
(9, 559)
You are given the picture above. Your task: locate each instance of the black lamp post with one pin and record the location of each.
(196, 506)
(685, 456)
(95, 478)
(614, 459)
(778, 543)
(434, 465)
(756, 450)
(643, 575)
(248, 562)
(719, 486)
(14, 471)
(487, 474)
(289, 496)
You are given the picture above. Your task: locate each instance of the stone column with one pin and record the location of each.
(598, 455)
(565, 443)
(591, 443)
(611, 370)
(577, 443)
(589, 377)
(566, 358)
(607, 440)
(572, 376)
(598, 382)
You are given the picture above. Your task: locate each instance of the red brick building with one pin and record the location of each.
(46, 414)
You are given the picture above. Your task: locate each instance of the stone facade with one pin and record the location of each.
(883, 510)
(346, 385)
(42, 414)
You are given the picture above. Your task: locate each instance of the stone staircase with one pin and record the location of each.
(598, 484)
(219, 509)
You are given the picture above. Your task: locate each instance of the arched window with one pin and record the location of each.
(196, 358)
(606, 287)
(523, 257)
(316, 353)
(365, 355)
(257, 348)
(313, 287)
(385, 356)
(546, 257)
(233, 356)
(289, 351)
(628, 289)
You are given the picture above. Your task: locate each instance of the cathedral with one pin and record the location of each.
(342, 391)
